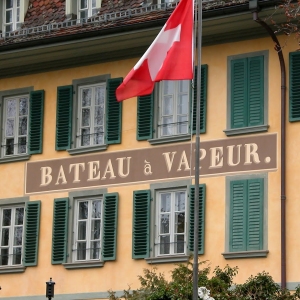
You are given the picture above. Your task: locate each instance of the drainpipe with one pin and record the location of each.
(254, 7)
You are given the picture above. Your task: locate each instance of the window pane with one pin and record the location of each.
(9, 147)
(95, 230)
(8, 16)
(184, 86)
(23, 126)
(4, 257)
(100, 96)
(165, 202)
(180, 201)
(10, 126)
(182, 106)
(182, 126)
(81, 251)
(17, 256)
(83, 210)
(93, 3)
(81, 230)
(18, 233)
(98, 135)
(164, 244)
(95, 250)
(5, 237)
(23, 108)
(167, 129)
(99, 116)
(96, 213)
(86, 116)
(18, 3)
(168, 87)
(85, 137)
(9, 4)
(11, 108)
(165, 223)
(22, 145)
(19, 216)
(179, 222)
(167, 106)
(6, 217)
(179, 244)
(8, 28)
(83, 3)
(86, 97)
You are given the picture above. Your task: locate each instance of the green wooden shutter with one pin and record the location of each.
(141, 224)
(64, 108)
(60, 230)
(294, 89)
(145, 117)
(110, 221)
(203, 100)
(31, 236)
(36, 117)
(238, 212)
(239, 84)
(113, 113)
(255, 214)
(201, 225)
(255, 91)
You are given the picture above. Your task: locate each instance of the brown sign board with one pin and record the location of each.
(155, 163)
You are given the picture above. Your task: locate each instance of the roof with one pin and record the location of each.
(46, 19)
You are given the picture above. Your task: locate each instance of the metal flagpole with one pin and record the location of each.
(197, 153)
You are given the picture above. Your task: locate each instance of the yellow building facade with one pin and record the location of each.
(87, 232)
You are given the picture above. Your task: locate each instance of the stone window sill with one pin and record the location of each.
(12, 269)
(82, 150)
(170, 139)
(13, 158)
(167, 259)
(245, 254)
(245, 130)
(85, 264)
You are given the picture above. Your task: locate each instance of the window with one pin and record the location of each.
(294, 87)
(174, 107)
(15, 125)
(92, 236)
(19, 234)
(97, 117)
(12, 13)
(247, 217)
(87, 229)
(168, 235)
(169, 113)
(82, 9)
(171, 231)
(87, 8)
(22, 123)
(247, 93)
(11, 235)
(91, 115)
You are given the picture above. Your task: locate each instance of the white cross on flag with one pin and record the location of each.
(169, 57)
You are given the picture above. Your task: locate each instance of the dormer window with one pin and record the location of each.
(82, 9)
(11, 15)
(86, 8)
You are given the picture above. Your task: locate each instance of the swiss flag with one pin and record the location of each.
(169, 57)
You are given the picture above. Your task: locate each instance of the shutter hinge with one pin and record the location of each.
(74, 92)
(151, 199)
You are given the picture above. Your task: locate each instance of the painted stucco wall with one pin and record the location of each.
(118, 275)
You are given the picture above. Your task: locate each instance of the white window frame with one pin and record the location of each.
(16, 135)
(73, 8)
(175, 113)
(92, 113)
(11, 228)
(88, 239)
(172, 232)
(22, 13)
